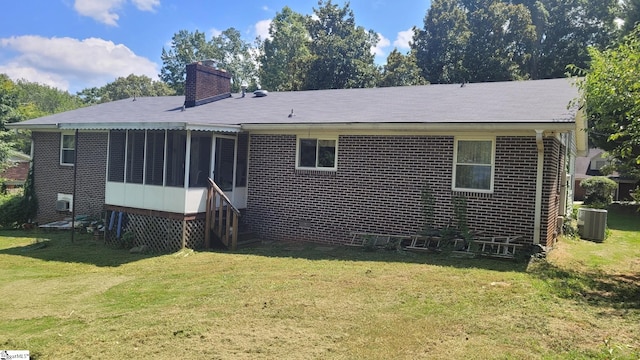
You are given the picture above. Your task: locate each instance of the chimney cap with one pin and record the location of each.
(210, 62)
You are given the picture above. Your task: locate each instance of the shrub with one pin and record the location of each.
(29, 200)
(598, 191)
(12, 212)
(635, 194)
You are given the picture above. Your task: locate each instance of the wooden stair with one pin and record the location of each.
(246, 237)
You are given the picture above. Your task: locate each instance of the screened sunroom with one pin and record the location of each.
(166, 170)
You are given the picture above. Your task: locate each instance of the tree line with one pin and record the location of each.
(460, 41)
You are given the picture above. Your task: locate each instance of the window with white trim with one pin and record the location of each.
(67, 149)
(318, 154)
(473, 165)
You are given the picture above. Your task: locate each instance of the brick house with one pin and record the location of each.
(15, 172)
(316, 165)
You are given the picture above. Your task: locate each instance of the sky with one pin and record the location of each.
(77, 44)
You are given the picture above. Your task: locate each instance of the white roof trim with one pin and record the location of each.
(558, 126)
(133, 126)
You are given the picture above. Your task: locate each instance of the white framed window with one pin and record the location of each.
(473, 166)
(67, 149)
(598, 164)
(317, 153)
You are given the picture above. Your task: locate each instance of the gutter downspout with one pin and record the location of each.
(539, 180)
(75, 181)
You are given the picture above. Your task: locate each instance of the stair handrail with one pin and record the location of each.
(214, 214)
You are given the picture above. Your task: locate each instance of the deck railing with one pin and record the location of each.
(221, 217)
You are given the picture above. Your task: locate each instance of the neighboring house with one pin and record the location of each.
(16, 171)
(315, 165)
(590, 165)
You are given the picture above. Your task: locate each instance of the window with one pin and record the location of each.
(117, 145)
(67, 149)
(200, 159)
(598, 164)
(135, 156)
(317, 153)
(176, 151)
(144, 157)
(473, 165)
(155, 157)
(223, 172)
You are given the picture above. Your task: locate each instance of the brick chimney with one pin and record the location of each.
(205, 84)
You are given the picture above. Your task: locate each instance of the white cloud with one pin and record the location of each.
(100, 10)
(404, 39)
(215, 32)
(146, 5)
(262, 29)
(106, 11)
(383, 42)
(17, 72)
(72, 64)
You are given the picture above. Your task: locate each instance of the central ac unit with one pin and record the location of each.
(62, 205)
(592, 223)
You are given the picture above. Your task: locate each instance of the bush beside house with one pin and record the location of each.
(17, 209)
(598, 191)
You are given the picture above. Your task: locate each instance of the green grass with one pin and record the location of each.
(84, 300)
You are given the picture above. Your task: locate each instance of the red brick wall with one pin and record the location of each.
(377, 188)
(51, 178)
(205, 83)
(553, 168)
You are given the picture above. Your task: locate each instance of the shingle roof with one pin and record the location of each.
(534, 101)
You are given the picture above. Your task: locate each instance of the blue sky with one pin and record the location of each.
(75, 44)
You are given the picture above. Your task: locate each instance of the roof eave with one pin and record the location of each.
(130, 126)
(20, 125)
(443, 126)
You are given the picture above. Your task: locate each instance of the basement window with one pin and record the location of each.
(318, 154)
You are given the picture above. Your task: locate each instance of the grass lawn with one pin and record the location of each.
(83, 300)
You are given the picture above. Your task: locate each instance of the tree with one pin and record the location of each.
(8, 114)
(286, 54)
(24, 100)
(229, 50)
(491, 40)
(39, 100)
(341, 54)
(8, 102)
(401, 70)
(90, 96)
(564, 31)
(464, 40)
(501, 38)
(186, 48)
(611, 94)
(236, 57)
(126, 87)
(441, 45)
(630, 10)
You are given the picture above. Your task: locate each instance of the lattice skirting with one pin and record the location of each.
(158, 234)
